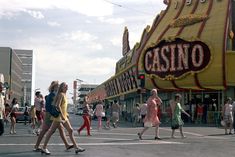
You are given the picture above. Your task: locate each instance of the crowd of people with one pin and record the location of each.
(44, 124)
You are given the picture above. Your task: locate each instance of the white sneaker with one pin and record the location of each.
(46, 151)
(34, 132)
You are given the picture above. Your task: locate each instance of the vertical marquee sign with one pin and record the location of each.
(175, 59)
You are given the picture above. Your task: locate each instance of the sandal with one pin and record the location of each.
(70, 147)
(157, 138)
(140, 137)
(39, 149)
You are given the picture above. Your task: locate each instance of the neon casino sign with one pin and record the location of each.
(174, 59)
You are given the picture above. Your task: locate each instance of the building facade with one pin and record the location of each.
(16, 66)
(188, 49)
(83, 90)
(11, 68)
(26, 56)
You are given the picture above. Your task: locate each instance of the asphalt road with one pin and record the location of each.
(123, 142)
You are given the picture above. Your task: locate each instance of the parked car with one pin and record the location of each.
(79, 111)
(20, 114)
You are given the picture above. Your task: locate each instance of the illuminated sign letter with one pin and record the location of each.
(148, 57)
(188, 2)
(173, 46)
(183, 56)
(164, 51)
(199, 55)
(156, 61)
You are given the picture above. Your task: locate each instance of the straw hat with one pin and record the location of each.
(154, 91)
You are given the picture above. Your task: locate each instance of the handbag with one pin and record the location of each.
(102, 114)
(222, 122)
(175, 126)
(54, 111)
(8, 117)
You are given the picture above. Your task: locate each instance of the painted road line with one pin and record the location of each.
(189, 133)
(128, 134)
(165, 129)
(143, 142)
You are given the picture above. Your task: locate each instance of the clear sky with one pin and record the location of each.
(74, 38)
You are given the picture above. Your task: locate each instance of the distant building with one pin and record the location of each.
(83, 90)
(11, 67)
(26, 56)
(16, 66)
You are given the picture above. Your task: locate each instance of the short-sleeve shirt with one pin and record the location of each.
(38, 104)
(99, 110)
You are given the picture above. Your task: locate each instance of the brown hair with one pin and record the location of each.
(54, 85)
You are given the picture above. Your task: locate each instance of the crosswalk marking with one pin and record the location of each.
(142, 142)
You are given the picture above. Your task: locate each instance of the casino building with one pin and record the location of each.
(188, 49)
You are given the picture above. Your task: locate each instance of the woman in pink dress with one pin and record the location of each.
(151, 118)
(99, 114)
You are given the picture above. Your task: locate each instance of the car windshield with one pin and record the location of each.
(21, 109)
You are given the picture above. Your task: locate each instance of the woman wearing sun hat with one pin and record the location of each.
(151, 118)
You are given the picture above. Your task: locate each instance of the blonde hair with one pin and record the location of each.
(54, 85)
(59, 92)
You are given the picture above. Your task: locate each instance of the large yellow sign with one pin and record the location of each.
(186, 46)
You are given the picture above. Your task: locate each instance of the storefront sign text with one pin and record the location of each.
(176, 58)
(123, 83)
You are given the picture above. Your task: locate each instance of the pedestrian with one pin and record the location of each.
(233, 117)
(151, 118)
(227, 114)
(38, 103)
(200, 108)
(26, 114)
(48, 121)
(99, 112)
(143, 112)
(7, 113)
(136, 114)
(205, 113)
(86, 117)
(2, 110)
(14, 109)
(33, 117)
(61, 103)
(91, 114)
(177, 121)
(108, 116)
(115, 113)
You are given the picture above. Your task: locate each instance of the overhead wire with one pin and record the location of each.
(125, 7)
